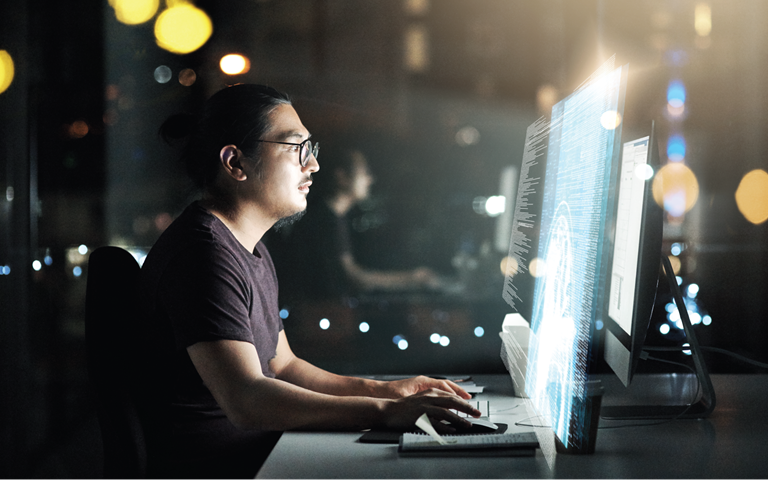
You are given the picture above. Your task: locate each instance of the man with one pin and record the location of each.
(319, 261)
(221, 367)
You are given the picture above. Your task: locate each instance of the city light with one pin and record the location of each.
(364, 327)
(6, 70)
(675, 188)
(234, 64)
(325, 323)
(610, 120)
(163, 74)
(676, 148)
(495, 205)
(183, 28)
(702, 19)
(134, 12)
(752, 196)
(676, 94)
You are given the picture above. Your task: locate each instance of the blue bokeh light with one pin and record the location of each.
(676, 148)
(676, 94)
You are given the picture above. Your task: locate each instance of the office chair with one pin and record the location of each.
(111, 336)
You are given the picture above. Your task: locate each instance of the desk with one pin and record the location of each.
(731, 443)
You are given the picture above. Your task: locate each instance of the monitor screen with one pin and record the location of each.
(636, 254)
(570, 265)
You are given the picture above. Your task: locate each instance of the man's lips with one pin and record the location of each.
(304, 187)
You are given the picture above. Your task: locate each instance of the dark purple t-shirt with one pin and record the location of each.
(201, 284)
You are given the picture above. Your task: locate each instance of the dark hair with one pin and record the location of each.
(236, 115)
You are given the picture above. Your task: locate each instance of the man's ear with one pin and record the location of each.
(231, 159)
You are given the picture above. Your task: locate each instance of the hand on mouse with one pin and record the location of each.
(437, 404)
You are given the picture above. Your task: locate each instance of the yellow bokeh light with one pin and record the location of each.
(509, 266)
(610, 120)
(6, 70)
(537, 267)
(702, 19)
(183, 29)
(134, 12)
(234, 64)
(752, 196)
(675, 188)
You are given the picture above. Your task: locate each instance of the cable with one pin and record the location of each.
(677, 417)
(711, 349)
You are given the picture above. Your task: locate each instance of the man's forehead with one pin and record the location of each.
(287, 126)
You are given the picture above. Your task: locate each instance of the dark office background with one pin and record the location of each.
(438, 94)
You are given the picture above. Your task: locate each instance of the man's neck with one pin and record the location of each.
(247, 223)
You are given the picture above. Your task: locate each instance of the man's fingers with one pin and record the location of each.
(458, 390)
(453, 402)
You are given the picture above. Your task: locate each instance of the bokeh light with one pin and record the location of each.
(643, 171)
(163, 74)
(537, 267)
(495, 205)
(416, 48)
(509, 266)
(610, 120)
(187, 77)
(467, 136)
(702, 21)
(752, 196)
(183, 28)
(676, 94)
(78, 129)
(6, 70)
(234, 64)
(325, 324)
(546, 97)
(675, 188)
(134, 12)
(676, 148)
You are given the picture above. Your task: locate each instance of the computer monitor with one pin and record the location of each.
(635, 258)
(635, 261)
(579, 187)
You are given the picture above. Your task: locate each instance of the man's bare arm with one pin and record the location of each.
(295, 370)
(231, 371)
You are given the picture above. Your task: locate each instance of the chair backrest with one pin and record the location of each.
(111, 335)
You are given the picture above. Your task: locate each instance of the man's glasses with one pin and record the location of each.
(305, 148)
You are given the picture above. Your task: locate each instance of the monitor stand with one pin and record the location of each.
(706, 402)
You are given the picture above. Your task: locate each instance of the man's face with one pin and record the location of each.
(281, 190)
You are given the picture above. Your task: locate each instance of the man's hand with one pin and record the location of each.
(401, 414)
(410, 386)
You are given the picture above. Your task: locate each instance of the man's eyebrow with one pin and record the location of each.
(292, 135)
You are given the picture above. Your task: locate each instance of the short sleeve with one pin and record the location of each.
(205, 293)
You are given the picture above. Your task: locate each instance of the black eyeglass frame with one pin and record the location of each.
(310, 149)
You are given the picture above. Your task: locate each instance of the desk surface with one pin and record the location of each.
(731, 443)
